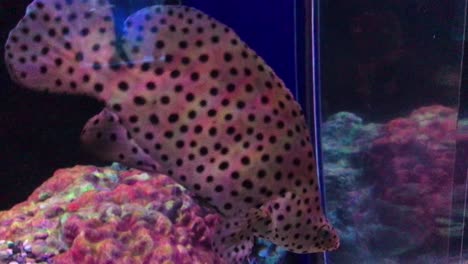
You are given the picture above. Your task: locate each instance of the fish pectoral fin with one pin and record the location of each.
(234, 236)
(104, 137)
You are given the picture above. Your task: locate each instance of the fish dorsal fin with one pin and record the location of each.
(63, 46)
(234, 237)
(107, 139)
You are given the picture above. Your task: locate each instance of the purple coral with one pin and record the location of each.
(87, 214)
(411, 166)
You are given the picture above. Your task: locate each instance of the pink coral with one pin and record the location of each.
(93, 215)
(412, 165)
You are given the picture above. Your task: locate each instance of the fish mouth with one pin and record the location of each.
(335, 246)
(331, 247)
(333, 242)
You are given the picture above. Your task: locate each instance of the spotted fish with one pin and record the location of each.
(108, 140)
(184, 96)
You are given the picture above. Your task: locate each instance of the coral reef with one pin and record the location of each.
(411, 168)
(94, 215)
(389, 187)
(345, 138)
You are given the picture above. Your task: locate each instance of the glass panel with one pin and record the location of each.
(391, 73)
(458, 244)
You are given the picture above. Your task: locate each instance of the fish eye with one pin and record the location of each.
(324, 232)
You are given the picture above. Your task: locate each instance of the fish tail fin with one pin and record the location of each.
(234, 238)
(63, 46)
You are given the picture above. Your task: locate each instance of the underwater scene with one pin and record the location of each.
(393, 130)
(203, 131)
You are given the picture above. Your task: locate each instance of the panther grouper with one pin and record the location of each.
(191, 100)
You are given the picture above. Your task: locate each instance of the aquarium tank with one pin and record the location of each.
(203, 131)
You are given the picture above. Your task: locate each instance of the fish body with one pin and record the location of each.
(190, 99)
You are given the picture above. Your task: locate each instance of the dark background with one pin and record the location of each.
(386, 58)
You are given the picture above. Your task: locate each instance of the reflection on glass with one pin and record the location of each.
(390, 129)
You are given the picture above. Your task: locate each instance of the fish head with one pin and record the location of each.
(315, 236)
(296, 223)
(325, 239)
